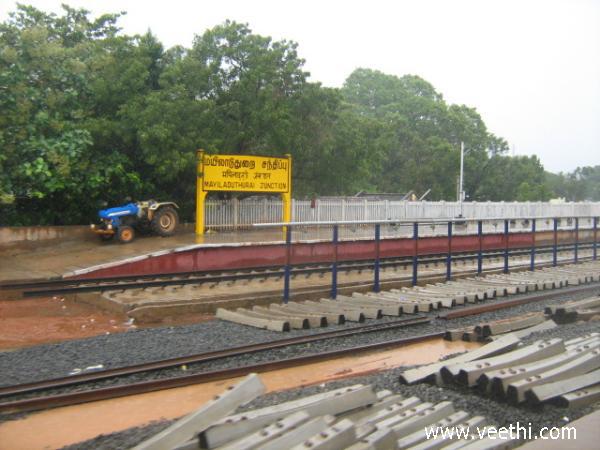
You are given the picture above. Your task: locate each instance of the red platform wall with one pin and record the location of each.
(251, 256)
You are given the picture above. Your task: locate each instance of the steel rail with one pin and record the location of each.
(502, 304)
(205, 357)
(43, 402)
(73, 398)
(69, 286)
(325, 268)
(203, 276)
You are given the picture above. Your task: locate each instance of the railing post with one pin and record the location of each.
(555, 244)
(288, 268)
(236, 212)
(576, 247)
(449, 257)
(415, 262)
(532, 264)
(480, 252)
(376, 287)
(595, 244)
(506, 223)
(334, 265)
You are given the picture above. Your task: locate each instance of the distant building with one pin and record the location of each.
(557, 201)
(409, 196)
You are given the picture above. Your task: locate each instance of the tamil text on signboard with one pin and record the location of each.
(245, 173)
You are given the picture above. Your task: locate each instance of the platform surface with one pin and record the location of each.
(64, 257)
(59, 257)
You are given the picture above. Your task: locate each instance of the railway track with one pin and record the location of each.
(45, 401)
(49, 401)
(544, 370)
(424, 298)
(531, 298)
(57, 287)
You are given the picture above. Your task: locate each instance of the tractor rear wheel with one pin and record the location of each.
(165, 220)
(125, 234)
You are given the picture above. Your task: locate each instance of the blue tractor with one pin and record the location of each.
(144, 217)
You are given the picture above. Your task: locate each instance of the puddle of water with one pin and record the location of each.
(321, 372)
(72, 424)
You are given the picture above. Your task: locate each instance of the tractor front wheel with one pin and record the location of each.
(165, 221)
(125, 234)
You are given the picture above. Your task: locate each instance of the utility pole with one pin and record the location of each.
(461, 194)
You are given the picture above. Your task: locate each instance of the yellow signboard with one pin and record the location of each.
(243, 173)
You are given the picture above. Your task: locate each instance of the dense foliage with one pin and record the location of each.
(88, 114)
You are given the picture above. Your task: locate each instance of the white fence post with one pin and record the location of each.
(236, 207)
(237, 213)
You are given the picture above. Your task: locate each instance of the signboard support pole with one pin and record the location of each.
(288, 266)
(200, 193)
(286, 197)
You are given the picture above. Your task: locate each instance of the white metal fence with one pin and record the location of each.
(242, 213)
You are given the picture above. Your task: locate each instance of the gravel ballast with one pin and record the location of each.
(498, 413)
(139, 346)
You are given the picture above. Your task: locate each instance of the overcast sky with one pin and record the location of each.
(531, 68)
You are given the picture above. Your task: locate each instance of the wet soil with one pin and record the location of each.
(68, 425)
(29, 322)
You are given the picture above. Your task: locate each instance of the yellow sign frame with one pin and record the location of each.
(242, 173)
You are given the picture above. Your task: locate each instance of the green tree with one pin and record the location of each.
(418, 146)
(45, 163)
(88, 113)
(520, 178)
(581, 184)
